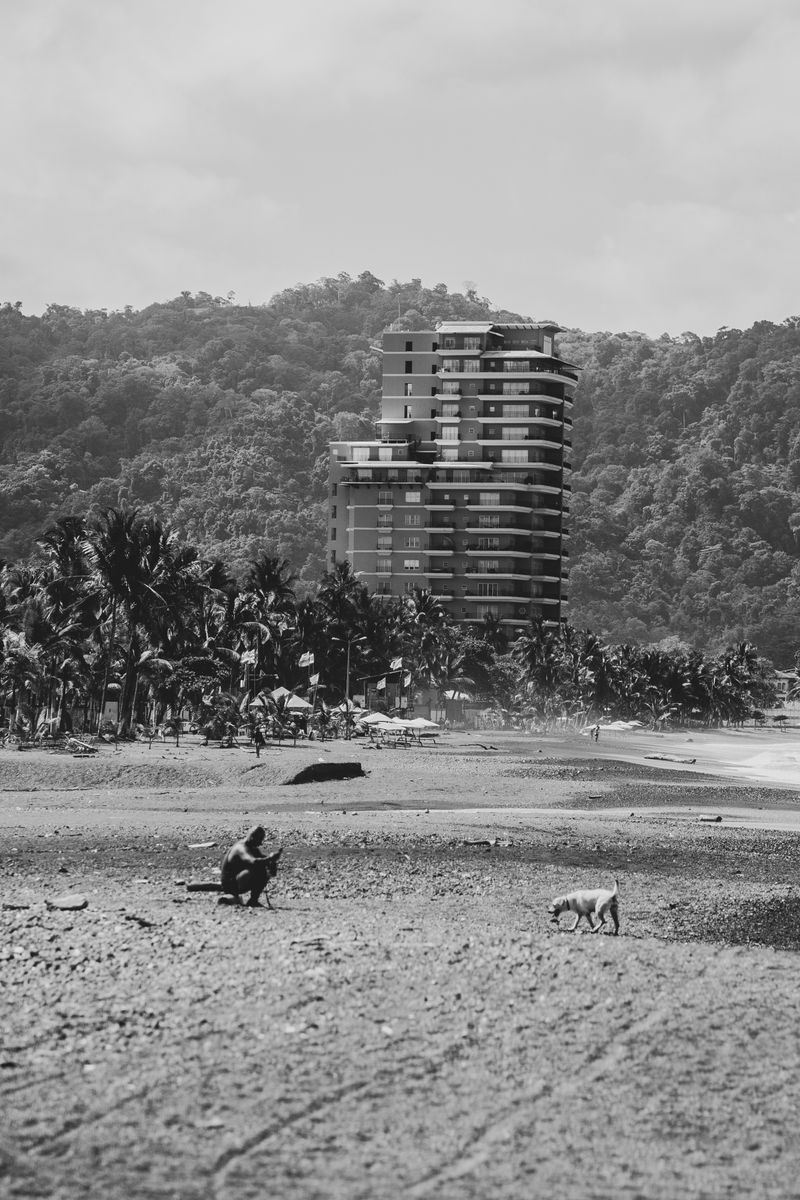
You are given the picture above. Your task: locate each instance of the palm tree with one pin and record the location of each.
(265, 614)
(424, 625)
(540, 655)
(131, 556)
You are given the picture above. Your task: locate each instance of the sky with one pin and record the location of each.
(609, 164)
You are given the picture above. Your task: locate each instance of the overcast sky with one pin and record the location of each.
(611, 164)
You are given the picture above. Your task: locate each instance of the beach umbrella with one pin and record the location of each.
(297, 702)
(279, 693)
(373, 719)
(258, 702)
(421, 723)
(347, 706)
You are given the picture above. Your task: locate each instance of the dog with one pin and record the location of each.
(598, 902)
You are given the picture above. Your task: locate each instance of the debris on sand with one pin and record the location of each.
(487, 842)
(712, 820)
(669, 758)
(200, 845)
(319, 772)
(204, 886)
(69, 902)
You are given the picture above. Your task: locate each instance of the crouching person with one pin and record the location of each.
(246, 869)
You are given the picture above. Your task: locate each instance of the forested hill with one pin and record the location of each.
(217, 417)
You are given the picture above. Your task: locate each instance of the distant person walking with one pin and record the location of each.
(596, 732)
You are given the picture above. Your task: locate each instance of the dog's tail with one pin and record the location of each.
(615, 890)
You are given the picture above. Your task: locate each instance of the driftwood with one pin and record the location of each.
(669, 758)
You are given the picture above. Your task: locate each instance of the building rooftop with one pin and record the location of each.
(464, 326)
(496, 326)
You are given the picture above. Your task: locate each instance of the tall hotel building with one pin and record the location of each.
(465, 490)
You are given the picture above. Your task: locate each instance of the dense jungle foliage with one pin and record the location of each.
(214, 417)
(120, 609)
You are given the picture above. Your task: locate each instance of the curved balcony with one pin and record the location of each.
(505, 575)
(494, 418)
(546, 371)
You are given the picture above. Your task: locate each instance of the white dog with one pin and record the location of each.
(598, 902)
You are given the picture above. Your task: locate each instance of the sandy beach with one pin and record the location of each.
(406, 1021)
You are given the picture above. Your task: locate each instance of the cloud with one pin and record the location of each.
(574, 159)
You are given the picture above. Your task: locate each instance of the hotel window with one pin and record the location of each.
(409, 347)
(488, 543)
(384, 566)
(460, 476)
(488, 589)
(472, 343)
(413, 497)
(412, 519)
(361, 453)
(409, 586)
(488, 499)
(413, 542)
(410, 564)
(450, 409)
(547, 345)
(514, 456)
(333, 511)
(451, 364)
(392, 475)
(384, 520)
(407, 410)
(450, 454)
(409, 389)
(488, 566)
(471, 366)
(364, 476)
(384, 454)
(450, 387)
(450, 433)
(384, 497)
(515, 410)
(409, 367)
(490, 521)
(514, 433)
(488, 610)
(516, 364)
(448, 343)
(384, 541)
(516, 389)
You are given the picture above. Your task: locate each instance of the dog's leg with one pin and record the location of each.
(575, 923)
